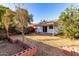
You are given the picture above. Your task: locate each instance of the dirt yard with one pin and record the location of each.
(55, 41)
(8, 49)
(49, 45)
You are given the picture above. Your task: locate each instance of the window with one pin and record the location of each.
(51, 27)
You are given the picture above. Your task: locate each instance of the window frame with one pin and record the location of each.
(50, 26)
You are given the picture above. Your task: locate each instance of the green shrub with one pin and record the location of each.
(69, 20)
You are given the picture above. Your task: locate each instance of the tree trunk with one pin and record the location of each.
(53, 30)
(23, 35)
(7, 34)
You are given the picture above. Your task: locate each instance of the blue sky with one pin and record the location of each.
(40, 11)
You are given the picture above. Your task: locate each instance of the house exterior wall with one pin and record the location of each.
(50, 31)
(39, 29)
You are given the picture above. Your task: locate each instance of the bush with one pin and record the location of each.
(69, 20)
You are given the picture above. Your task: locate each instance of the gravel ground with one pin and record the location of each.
(8, 49)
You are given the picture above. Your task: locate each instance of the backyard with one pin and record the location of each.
(57, 41)
(21, 35)
(47, 44)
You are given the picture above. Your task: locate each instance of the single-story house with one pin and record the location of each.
(50, 27)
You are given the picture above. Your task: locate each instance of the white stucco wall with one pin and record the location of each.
(51, 31)
(39, 29)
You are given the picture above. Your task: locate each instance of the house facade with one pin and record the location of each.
(50, 27)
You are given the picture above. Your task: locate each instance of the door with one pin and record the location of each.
(44, 28)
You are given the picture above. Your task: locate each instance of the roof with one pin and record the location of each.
(31, 25)
(47, 23)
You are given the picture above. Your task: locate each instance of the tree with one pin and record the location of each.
(2, 12)
(69, 20)
(22, 17)
(6, 20)
(43, 21)
(30, 19)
